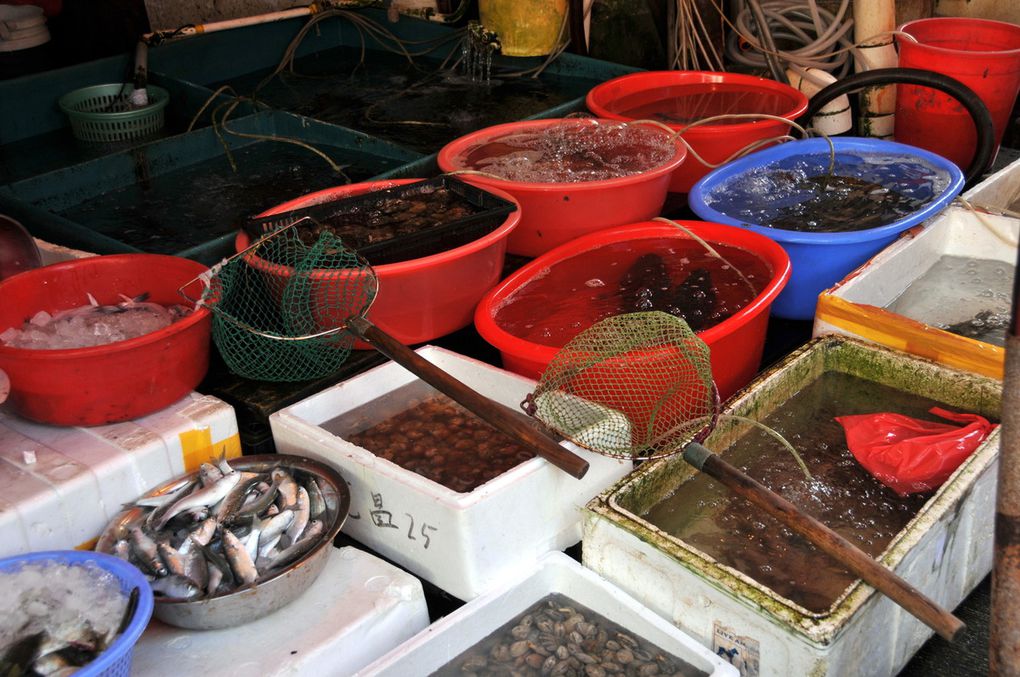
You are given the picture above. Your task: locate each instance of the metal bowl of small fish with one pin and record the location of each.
(233, 541)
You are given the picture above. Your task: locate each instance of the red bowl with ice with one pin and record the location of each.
(678, 98)
(113, 382)
(419, 299)
(557, 171)
(535, 311)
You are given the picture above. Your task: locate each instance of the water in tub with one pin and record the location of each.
(841, 493)
(557, 636)
(965, 296)
(572, 152)
(673, 275)
(800, 193)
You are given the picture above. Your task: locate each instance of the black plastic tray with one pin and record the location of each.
(491, 212)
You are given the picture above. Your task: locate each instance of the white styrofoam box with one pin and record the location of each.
(944, 551)
(998, 191)
(856, 305)
(450, 636)
(355, 611)
(59, 486)
(461, 542)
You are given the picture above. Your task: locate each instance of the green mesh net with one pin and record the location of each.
(279, 308)
(635, 386)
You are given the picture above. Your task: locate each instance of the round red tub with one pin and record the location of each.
(425, 298)
(557, 212)
(114, 382)
(678, 98)
(736, 343)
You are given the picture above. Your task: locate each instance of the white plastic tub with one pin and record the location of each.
(856, 306)
(944, 551)
(356, 611)
(463, 543)
(554, 573)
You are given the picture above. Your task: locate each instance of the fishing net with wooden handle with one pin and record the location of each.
(635, 386)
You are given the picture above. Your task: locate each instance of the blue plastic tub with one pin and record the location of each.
(116, 660)
(818, 259)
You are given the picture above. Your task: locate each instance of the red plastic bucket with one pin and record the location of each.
(678, 98)
(982, 54)
(115, 382)
(425, 298)
(736, 343)
(554, 213)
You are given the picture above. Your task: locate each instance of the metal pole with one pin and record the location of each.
(1004, 624)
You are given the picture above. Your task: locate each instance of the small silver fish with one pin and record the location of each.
(195, 565)
(208, 474)
(175, 587)
(295, 551)
(316, 501)
(205, 531)
(215, 578)
(287, 498)
(171, 558)
(204, 497)
(301, 514)
(146, 551)
(240, 561)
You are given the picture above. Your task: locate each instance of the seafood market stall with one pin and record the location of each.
(441, 338)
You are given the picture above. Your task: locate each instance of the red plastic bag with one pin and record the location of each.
(910, 456)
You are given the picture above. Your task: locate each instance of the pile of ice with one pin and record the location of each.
(91, 325)
(65, 602)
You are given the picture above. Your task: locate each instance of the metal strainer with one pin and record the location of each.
(640, 386)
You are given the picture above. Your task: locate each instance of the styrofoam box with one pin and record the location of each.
(998, 191)
(59, 487)
(856, 305)
(462, 542)
(553, 573)
(944, 551)
(359, 608)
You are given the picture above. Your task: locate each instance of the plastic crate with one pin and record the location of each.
(343, 214)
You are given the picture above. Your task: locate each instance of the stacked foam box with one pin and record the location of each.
(59, 487)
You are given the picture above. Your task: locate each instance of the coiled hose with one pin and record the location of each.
(985, 147)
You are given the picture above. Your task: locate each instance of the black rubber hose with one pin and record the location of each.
(985, 150)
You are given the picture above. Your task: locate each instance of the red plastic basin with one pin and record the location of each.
(115, 382)
(554, 213)
(693, 95)
(736, 343)
(425, 298)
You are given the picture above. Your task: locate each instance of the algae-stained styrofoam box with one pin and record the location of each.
(944, 551)
(857, 305)
(359, 608)
(59, 487)
(461, 542)
(450, 636)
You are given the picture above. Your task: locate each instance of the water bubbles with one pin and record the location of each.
(572, 152)
(594, 283)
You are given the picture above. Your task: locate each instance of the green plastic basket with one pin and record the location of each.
(103, 113)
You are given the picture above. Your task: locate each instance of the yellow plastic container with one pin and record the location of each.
(525, 27)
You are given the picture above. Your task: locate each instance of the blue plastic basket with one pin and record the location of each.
(819, 260)
(116, 660)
